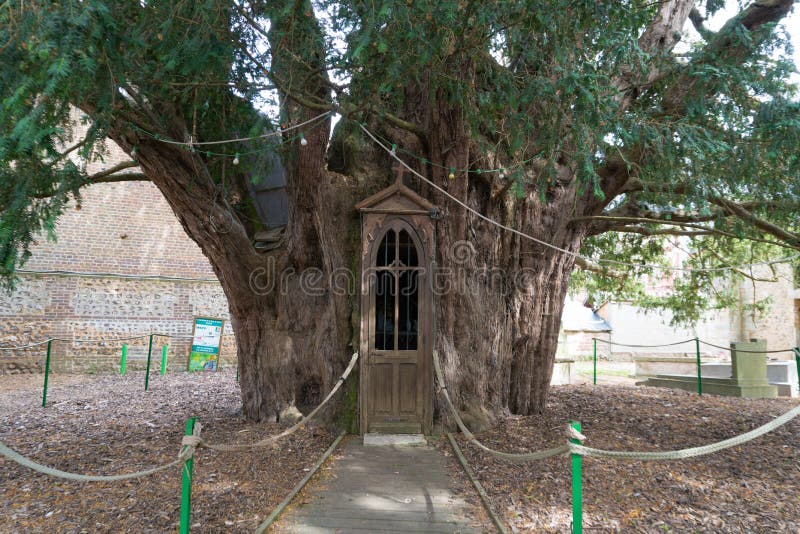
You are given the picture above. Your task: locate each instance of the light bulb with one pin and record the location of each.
(393, 151)
(303, 140)
(452, 174)
(236, 159)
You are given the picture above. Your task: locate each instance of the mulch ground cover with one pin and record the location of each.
(109, 425)
(750, 488)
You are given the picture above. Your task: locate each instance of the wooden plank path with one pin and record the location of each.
(386, 489)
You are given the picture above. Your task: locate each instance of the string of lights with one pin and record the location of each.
(597, 261)
(501, 171)
(311, 124)
(276, 133)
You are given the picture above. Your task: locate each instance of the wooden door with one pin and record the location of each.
(395, 379)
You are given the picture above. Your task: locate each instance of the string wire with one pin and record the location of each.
(617, 263)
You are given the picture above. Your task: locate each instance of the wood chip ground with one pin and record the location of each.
(748, 489)
(108, 425)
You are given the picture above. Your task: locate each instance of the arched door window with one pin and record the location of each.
(397, 293)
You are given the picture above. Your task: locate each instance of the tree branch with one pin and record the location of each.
(614, 221)
(724, 48)
(584, 264)
(648, 232)
(790, 238)
(697, 22)
(112, 175)
(121, 177)
(739, 271)
(71, 149)
(103, 175)
(658, 39)
(700, 232)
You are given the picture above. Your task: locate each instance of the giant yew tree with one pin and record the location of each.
(595, 127)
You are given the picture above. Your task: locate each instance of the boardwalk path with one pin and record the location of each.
(383, 489)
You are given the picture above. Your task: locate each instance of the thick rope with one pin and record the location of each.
(600, 453)
(98, 340)
(693, 451)
(747, 351)
(187, 451)
(641, 346)
(514, 457)
(23, 347)
(233, 447)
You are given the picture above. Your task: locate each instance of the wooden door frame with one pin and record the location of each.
(374, 228)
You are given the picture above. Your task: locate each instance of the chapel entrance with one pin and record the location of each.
(396, 316)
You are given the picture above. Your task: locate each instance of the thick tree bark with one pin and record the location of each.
(499, 296)
(290, 309)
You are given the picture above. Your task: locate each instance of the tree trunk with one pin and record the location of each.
(294, 311)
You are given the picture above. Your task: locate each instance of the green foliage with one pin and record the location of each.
(694, 277)
(99, 62)
(566, 86)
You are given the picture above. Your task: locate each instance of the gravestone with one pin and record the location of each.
(748, 376)
(749, 369)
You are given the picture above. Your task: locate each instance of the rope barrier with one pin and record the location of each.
(692, 451)
(515, 457)
(642, 346)
(188, 448)
(747, 351)
(98, 340)
(23, 347)
(688, 341)
(234, 447)
(601, 453)
(189, 445)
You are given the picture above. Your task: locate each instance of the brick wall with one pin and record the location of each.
(778, 325)
(74, 308)
(123, 229)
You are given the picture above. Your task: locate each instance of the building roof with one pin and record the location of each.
(577, 317)
(396, 198)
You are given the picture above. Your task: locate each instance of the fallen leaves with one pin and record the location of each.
(108, 425)
(751, 488)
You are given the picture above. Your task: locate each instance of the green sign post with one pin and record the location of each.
(206, 344)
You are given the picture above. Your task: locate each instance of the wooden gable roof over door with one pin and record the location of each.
(397, 198)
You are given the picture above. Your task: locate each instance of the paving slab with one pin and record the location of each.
(381, 440)
(382, 489)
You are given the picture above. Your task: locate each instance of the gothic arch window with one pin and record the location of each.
(396, 305)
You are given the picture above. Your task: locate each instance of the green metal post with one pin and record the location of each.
(699, 373)
(147, 371)
(797, 361)
(577, 485)
(186, 485)
(164, 359)
(46, 372)
(594, 371)
(237, 371)
(123, 359)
